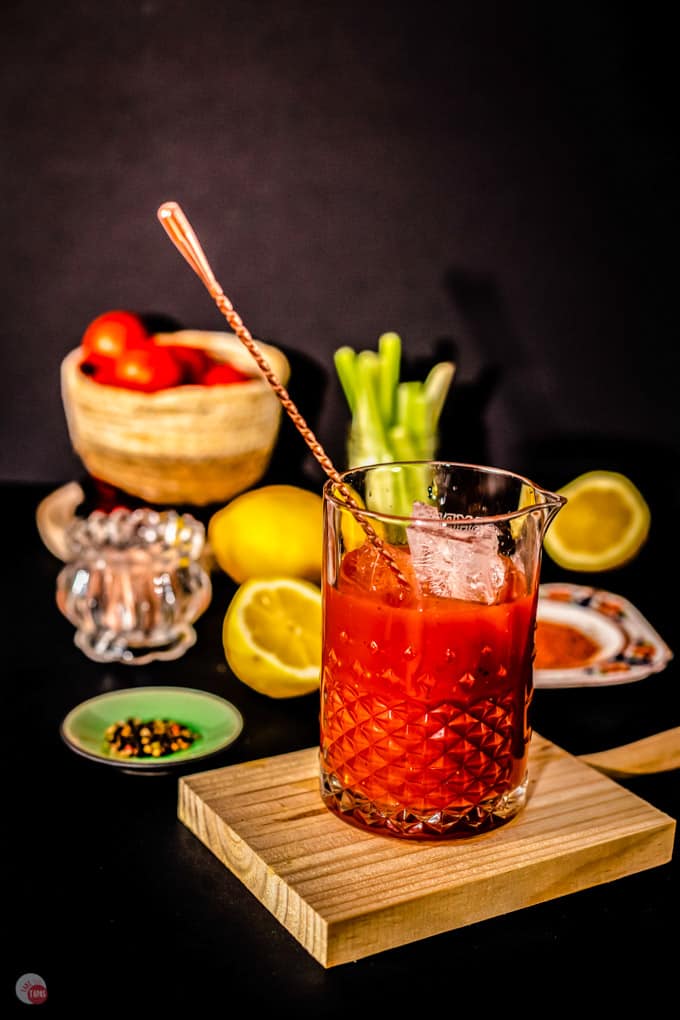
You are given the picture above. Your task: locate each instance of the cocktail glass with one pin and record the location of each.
(428, 645)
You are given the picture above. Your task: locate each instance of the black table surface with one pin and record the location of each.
(114, 902)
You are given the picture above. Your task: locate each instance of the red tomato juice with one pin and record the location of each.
(424, 703)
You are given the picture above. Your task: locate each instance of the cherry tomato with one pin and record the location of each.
(111, 333)
(147, 368)
(106, 496)
(223, 375)
(100, 370)
(193, 362)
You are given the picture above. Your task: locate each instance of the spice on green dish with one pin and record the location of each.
(151, 738)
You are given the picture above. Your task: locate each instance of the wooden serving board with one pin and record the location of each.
(345, 894)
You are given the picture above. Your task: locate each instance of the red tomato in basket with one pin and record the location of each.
(223, 375)
(98, 369)
(111, 333)
(147, 368)
(106, 497)
(192, 361)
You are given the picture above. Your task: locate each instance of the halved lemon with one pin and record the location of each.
(272, 636)
(603, 525)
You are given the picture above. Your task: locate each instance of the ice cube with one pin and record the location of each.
(369, 570)
(453, 559)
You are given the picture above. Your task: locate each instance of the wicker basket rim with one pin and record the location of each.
(221, 344)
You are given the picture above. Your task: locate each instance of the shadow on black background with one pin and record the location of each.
(481, 310)
(463, 429)
(158, 322)
(292, 462)
(550, 459)
(477, 297)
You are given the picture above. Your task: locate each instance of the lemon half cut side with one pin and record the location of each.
(272, 636)
(603, 525)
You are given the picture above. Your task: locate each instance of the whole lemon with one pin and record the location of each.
(271, 530)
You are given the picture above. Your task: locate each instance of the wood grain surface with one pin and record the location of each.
(345, 894)
(658, 753)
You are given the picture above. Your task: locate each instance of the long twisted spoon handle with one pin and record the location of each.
(182, 235)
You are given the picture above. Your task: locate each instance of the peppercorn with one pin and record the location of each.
(155, 738)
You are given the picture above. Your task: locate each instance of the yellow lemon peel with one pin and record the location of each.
(274, 529)
(603, 525)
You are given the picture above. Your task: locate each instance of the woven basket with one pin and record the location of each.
(188, 444)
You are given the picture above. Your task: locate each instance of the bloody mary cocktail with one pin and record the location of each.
(425, 695)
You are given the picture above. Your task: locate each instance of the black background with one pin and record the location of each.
(492, 181)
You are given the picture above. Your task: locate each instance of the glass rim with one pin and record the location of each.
(549, 501)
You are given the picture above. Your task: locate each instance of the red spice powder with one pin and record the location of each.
(559, 646)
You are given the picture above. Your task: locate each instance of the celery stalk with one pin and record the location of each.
(387, 493)
(401, 443)
(437, 385)
(345, 359)
(406, 401)
(389, 356)
(367, 418)
(419, 422)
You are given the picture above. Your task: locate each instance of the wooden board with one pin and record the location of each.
(345, 894)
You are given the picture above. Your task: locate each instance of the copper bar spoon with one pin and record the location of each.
(183, 236)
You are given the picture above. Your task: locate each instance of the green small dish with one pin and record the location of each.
(217, 722)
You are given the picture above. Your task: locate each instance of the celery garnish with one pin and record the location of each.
(401, 443)
(391, 420)
(389, 358)
(367, 414)
(437, 385)
(409, 407)
(345, 358)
